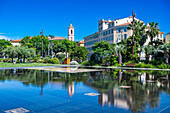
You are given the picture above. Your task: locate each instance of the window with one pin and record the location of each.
(106, 39)
(71, 31)
(112, 37)
(109, 38)
(118, 38)
(118, 30)
(160, 35)
(106, 32)
(103, 33)
(111, 30)
(125, 36)
(125, 29)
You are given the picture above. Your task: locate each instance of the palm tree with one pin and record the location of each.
(148, 50)
(165, 48)
(153, 30)
(139, 31)
(117, 50)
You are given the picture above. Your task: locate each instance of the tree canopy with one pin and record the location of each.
(4, 44)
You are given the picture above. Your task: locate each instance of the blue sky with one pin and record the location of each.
(20, 18)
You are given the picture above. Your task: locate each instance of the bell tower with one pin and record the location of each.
(71, 33)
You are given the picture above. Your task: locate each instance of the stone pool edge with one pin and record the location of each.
(87, 66)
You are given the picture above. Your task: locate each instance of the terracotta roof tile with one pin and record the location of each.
(70, 26)
(162, 32)
(124, 24)
(81, 42)
(58, 38)
(19, 40)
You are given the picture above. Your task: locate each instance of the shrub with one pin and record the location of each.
(85, 63)
(62, 60)
(163, 66)
(56, 60)
(89, 63)
(1, 59)
(7, 60)
(113, 60)
(38, 55)
(40, 61)
(46, 59)
(74, 63)
(143, 65)
(30, 60)
(36, 59)
(156, 62)
(61, 56)
(53, 61)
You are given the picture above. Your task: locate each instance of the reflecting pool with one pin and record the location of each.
(107, 91)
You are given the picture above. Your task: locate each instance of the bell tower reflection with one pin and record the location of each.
(71, 89)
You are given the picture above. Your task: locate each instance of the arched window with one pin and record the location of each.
(71, 31)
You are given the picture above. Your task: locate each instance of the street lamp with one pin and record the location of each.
(42, 41)
(133, 42)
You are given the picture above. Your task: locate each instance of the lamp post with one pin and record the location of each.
(42, 41)
(133, 43)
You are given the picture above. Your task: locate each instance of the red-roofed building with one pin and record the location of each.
(57, 38)
(81, 43)
(16, 42)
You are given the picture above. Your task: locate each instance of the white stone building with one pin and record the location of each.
(113, 31)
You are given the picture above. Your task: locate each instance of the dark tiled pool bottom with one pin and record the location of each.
(94, 92)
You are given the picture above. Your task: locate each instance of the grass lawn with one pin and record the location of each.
(25, 64)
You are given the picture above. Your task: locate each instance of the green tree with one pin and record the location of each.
(29, 52)
(26, 42)
(58, 46)
(139, 31)
(118, 50)
(148, 50)
(140, 37)
(11, 52)
(52, 36)
(36, 41)
(153, 30)
(165, 48)
(67, 45)
(79, 53)
(4, 44)
(101, 50)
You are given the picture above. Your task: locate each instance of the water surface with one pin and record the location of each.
(104, 91)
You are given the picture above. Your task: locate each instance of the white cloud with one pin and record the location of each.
(2, 33)
(4, 37)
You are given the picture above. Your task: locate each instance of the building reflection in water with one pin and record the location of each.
(115, 97)
(147, 89)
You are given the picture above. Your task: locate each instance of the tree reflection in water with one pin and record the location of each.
(145, 86)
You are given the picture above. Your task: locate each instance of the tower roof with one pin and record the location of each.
(70, 26)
